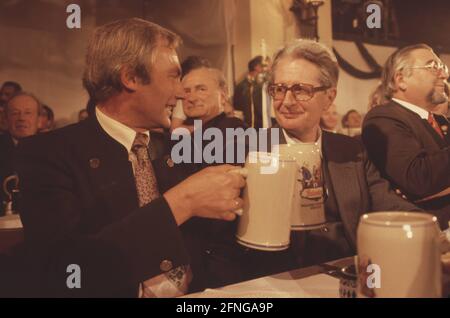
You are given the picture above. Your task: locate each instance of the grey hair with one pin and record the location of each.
(23, 93)
(396, 63)
(130, 43)
(314, 52)
(220, 78)
(216, 73)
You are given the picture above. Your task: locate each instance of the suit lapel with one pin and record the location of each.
(414, 118)
(441, 142)
(110, 171)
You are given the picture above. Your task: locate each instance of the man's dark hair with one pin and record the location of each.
(345, 117)
(254, 62)
(90, 107)
(17, 87)
(50, 113)
(193, 62)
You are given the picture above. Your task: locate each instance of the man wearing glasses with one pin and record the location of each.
(303, 87)
(404, 138)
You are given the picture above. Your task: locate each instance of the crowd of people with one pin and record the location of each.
(106, 194)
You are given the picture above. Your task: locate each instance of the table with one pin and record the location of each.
(312, 282)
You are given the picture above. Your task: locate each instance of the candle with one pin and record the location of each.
(263, 48)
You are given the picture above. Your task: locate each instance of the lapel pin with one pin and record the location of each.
(170, 162)
(94, 163)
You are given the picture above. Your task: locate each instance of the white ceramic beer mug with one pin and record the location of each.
(399, 255)
(308, 208)
(265, 223)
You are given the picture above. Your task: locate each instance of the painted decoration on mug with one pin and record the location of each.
(312, 185)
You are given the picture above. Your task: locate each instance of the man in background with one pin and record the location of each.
(403, 136)
(22, 117)
(7, 90)
(248, 94)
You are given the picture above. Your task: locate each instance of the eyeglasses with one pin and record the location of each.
(301, 92)
(435, 67)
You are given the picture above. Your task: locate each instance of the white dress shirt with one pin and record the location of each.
(416, 109)
(120, 133)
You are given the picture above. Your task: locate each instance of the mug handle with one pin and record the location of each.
(243, 172)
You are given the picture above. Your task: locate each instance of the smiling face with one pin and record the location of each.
(202, 94)
(330, 118)
(354, 120)
(22, 116)
(300, 118)
(154, 102)
(424, 87)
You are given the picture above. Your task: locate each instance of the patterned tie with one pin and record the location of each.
(432, 121)
(146, 185)
(173, 283)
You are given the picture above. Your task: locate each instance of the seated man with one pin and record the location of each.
(22, 117)
(351, 123)
(90, 189)
(303, 87)
(205, 97)
(407, 142)
(8, 90)
(205, 94)
(47, 119)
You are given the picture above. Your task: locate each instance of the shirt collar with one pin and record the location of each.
(292, 140)
(416, 109)
(116, 130)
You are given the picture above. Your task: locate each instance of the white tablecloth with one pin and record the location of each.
(276, 286)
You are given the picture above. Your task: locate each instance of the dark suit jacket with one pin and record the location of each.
(242, 101)
(410, 154)
(6, 163)
(211, 243)
(357, 187)
(80, 206)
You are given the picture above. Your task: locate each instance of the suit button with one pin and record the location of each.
(165, 265)
(94, 163)
(208, 252)
(170, 163)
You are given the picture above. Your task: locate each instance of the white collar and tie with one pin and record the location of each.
(175, 282)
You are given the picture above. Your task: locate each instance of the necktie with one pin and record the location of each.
(146, 185)
(173, 283)
(432, 121)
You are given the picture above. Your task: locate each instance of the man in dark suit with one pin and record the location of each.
(205, 95)
(248, 94)
(90, 196)
(409, 145)
(303, 87)
(22, 117)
